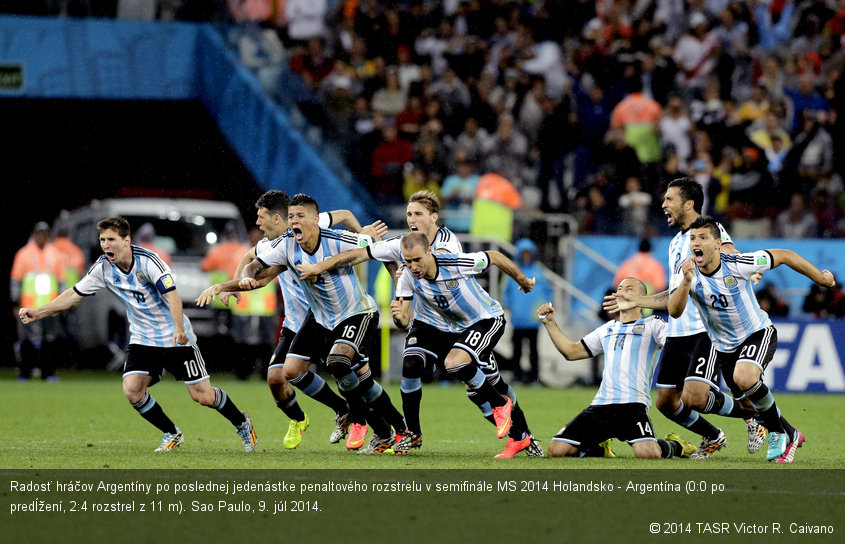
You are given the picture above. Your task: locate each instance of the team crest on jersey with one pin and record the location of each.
(639, 329)
(412, 341)
(451, 284)
(167, 281)
(730, 282)
(141, 277)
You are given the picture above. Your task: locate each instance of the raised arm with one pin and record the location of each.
(678, 297)
(800, 264)
(346, 258)
(375, 230)
(511, 269)
(67, 300)
(572, 351)
(175, 303)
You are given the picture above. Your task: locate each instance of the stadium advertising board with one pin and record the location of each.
(809, 357)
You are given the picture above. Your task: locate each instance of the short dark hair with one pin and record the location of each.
(427, 199)
(689, 189)
(414, 239)
(275, 201)
(118, 224)
(707, 222)
(304, 200)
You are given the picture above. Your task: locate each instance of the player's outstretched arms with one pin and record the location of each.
(510, 268)
(678, 296)
(800, 264)
(67, 300)
(572, 351)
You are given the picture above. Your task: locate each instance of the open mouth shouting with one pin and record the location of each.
(413, 228)
(698, 256)
(110, 255)
(297, 233)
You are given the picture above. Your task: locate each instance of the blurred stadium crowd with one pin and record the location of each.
(588, 106)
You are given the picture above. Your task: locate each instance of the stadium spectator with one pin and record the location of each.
(825, 302)
(634, 204)
(797, 221)
(771, 302)
(639, 117)
(696, 54)
(458, 193)
(146, 237)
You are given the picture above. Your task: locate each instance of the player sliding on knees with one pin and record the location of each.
(462, 321)
(742, 334)
(161, 336)
(620, 408)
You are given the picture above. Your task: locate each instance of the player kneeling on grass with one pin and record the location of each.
(620, 408)
(161, 336)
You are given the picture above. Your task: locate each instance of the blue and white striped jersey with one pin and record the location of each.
(726, 298)
(453, 300)
(296, 305)
(141, 292)
(337, 294)
(690, 322)
(390, 250)
(631, 351)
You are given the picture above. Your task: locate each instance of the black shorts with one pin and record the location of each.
(355, 331)
(184, 362)
(429, 342)
(281, 351)
(758, 349)
(479, 341)
(597, 423)
(688, 358)
(311, 342)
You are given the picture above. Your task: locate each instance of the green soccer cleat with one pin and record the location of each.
(247, 434)
(170, 441)
(687, 448)
(295, 430)
(607, 446)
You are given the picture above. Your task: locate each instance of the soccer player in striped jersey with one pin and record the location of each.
(742, 334)
(282, 371)
(687, 382)
(347, 315)
(620, 408)
(462, 323)
(422, 214)
(161, 336)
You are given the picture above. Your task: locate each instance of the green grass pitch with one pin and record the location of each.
(85, 422)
